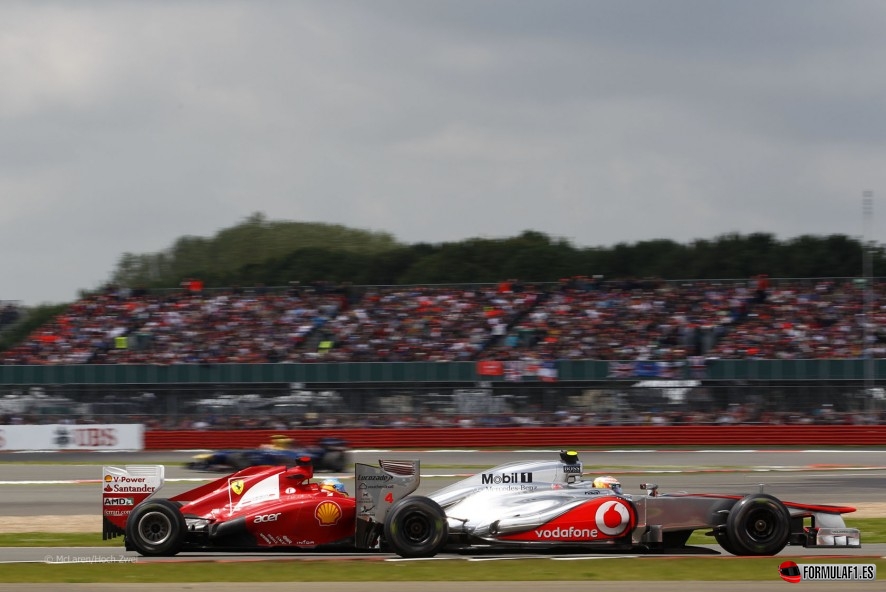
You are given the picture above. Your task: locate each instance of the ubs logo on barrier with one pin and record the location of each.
(95, 437)
(62, 437)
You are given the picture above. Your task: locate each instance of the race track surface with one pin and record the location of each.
(66, 485)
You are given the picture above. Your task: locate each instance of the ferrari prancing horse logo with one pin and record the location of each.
(237, 486)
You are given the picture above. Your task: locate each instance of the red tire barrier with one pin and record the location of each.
(554, 437)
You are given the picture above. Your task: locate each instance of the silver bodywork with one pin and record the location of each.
(375, 487)
(520, 496)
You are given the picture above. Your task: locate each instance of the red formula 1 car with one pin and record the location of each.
(531, 505)
(260, 507)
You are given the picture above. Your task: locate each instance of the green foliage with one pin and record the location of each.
(272, 253)
(33, 319)
(310, 264)
(247, 246)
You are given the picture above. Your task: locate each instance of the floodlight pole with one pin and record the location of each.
(867, 263)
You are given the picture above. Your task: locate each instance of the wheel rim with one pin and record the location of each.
(155, 528)
(761, 526)
(416, 527)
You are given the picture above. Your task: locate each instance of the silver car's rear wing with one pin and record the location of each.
(377, 488)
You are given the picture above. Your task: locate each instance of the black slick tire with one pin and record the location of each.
(416, 527)
(156, 528)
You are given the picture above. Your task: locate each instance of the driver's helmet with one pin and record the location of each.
(608, 482)
(280, 441)
(333, 485)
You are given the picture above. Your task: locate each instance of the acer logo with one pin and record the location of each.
(262, 518)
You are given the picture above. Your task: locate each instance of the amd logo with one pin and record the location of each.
(261, 518)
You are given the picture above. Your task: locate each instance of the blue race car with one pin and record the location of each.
(328, 454)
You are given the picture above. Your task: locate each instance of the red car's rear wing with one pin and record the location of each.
(122, 490)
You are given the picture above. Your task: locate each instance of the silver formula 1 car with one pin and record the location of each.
(546, 504)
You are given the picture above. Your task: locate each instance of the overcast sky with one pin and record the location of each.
(126, 125)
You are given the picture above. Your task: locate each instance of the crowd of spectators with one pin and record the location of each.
(579, 318)
(562, 418)
(625, 321)
(422, 324)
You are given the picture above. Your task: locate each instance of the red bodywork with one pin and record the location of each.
(278, 506)
(267, 506)
(602, 519)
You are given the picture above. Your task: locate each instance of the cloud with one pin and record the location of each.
(126, 125)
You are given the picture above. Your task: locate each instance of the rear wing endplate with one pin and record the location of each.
(377, 488)
(122, 490)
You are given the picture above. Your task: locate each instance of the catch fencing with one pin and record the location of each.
(545, 437)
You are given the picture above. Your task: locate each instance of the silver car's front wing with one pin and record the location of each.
(659, 515)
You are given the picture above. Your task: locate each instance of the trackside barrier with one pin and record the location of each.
(555, 437)
(124, 436)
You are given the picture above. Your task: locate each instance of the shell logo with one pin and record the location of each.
(612, 518)
(327, 513)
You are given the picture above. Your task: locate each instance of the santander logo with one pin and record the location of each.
(612, 518)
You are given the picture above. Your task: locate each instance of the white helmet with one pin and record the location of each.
(608, 482)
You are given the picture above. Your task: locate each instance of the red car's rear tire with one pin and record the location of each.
(156, 528)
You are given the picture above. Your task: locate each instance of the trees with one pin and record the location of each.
(262, 252)
(250, 246)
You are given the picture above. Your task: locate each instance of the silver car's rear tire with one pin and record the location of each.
(416, 527)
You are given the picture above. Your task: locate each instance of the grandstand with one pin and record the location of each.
(572, 320)
(663, 329)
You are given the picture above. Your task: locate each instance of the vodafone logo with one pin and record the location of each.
(612, 517)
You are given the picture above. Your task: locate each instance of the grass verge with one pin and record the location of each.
(873, 530)
(608, 569)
